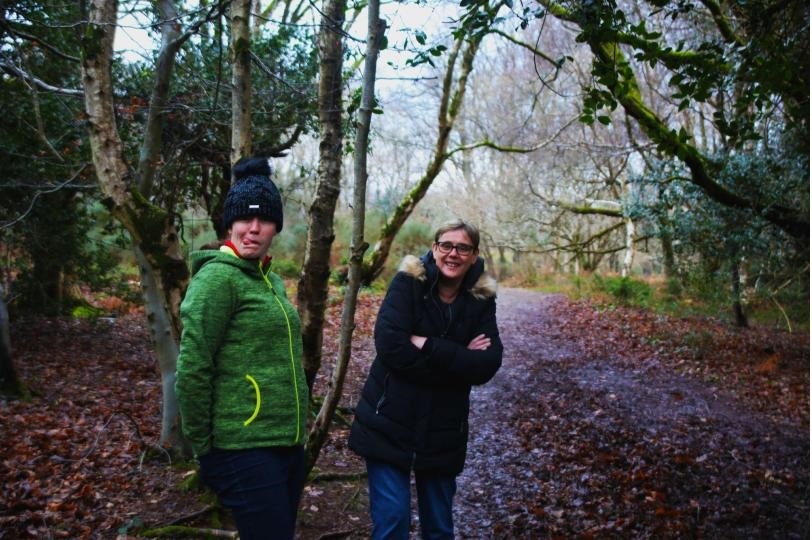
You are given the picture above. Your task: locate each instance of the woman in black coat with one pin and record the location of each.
(435, 337)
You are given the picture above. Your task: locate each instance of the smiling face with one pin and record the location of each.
(252, 237)
(452, 265)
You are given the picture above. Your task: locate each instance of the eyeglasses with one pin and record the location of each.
(462, 249)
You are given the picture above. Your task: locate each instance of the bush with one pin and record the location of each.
(673, 288)
(340, 276)
(86, 312)
(625, 290)
(286, 268)
(413, 238)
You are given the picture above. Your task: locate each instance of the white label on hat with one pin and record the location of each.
(252, 206)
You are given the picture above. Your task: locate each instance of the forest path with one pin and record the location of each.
(571, 441)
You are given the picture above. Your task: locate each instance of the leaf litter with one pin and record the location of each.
(601, 424)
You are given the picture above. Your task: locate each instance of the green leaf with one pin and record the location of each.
(437, 51)
(587, 119)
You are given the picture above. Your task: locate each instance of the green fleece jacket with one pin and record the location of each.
(239, 381)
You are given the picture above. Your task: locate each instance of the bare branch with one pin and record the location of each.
(42, 192)
(513, 149)
(11, 69)
(529, 47)
(592, 207)
(267, 71)
(722, 23)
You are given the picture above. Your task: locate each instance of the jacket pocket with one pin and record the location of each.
(382, 400)
(257, 402)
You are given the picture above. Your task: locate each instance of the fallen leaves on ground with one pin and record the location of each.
(602, 423)
(632, 425)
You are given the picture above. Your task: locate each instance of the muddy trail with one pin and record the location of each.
(587, 436)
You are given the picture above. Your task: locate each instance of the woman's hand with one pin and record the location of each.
(418, 341)
(480, 343)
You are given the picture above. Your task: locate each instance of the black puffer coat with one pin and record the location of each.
(413, 411)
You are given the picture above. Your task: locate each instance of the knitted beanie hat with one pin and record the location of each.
(253, 193)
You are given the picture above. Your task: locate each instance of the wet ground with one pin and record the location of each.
(569, 441)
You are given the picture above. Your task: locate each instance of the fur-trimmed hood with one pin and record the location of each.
(477, 281)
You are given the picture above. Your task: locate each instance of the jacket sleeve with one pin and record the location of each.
(462, 364)
(393, 330)
(205, 314)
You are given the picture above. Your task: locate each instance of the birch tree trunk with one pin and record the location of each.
(318, 433)
(628, 255)
(164, 273)
(240, 80)
(313, 282)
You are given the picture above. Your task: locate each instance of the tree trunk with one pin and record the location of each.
(165, 340)
(240, 80)
(738, 307)
(57, 289)
(667, 246)
(313, 283)
(148, 157)
(10, 384)
(318, 434)
(450, 106)
(500, 271)
(155, 239)
(628, 255)
(162, 295)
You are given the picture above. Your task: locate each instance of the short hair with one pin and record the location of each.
(456, 225)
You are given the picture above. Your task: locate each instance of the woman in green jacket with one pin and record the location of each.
(240, 382)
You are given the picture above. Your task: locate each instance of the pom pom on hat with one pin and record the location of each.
(253, 193)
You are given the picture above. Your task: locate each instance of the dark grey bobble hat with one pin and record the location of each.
(253, 193)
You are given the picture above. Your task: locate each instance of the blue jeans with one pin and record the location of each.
(390, 502)
(261, 487)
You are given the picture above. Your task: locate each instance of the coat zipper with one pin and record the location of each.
(290, 349)
(383, 394)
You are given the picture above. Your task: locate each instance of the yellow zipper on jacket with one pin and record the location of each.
(290, 348)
